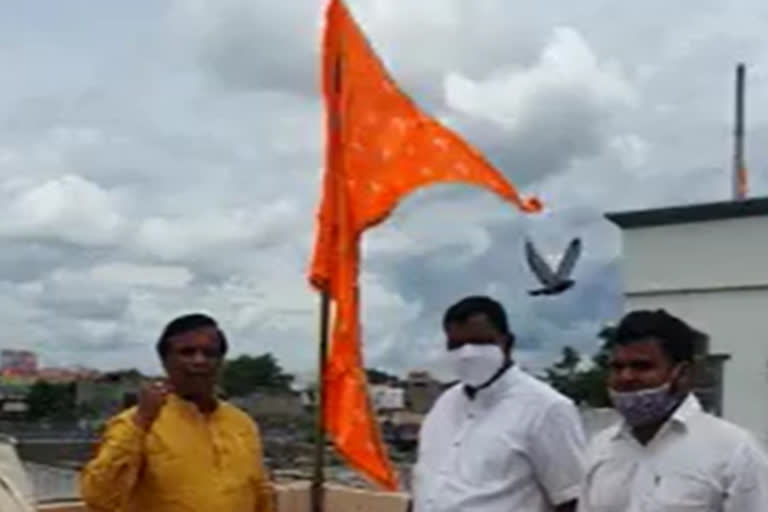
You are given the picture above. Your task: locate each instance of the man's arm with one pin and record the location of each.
(108, 479)
(747, 486)
(557, 445)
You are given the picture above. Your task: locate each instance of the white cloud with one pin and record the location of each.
(567, 67)
(68, 208)
(132, 274)
(187, 237)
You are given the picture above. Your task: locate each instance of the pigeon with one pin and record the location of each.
(554, 282)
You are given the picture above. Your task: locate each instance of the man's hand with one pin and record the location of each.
(152, 398)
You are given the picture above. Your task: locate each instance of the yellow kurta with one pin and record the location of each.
(186, 462)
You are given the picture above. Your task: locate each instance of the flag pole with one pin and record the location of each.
(335, 141)
(318, 478)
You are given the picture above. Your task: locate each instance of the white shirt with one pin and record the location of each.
(517, 446)
(15, 488)
(696, 462)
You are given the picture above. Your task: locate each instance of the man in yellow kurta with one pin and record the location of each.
(181, 449)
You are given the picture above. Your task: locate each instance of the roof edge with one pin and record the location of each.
(686, 214)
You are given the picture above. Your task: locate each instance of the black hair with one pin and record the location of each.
(188, 323)
(474, 305)
(678, 340)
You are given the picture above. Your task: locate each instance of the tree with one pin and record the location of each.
(51, 401)
(569, 362)
(246, 374)
(586, 386)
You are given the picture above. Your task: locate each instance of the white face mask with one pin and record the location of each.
(474, 365)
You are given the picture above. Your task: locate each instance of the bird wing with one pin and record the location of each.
(568, 262)
(538, 265)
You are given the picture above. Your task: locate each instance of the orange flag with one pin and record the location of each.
(380, 147)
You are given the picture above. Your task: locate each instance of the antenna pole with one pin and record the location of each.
(739, 166)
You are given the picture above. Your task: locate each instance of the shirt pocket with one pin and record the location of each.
(489, 459)
(608, 485)
(240, 465)
(681, 492)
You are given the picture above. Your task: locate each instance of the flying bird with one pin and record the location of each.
(554, 283)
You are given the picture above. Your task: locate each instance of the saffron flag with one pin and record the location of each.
(379, 148)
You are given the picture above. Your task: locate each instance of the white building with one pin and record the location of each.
(708, 264)
(386, 398)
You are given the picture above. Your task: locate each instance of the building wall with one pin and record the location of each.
(107, 396)
(713, 274)
(421, 392)
(708, 254)
(271, 403)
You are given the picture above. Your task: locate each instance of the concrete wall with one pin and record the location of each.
(296, 498)
(714, 275)
(719, 253)
(271, 403)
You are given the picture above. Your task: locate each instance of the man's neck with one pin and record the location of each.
(646, 433)
(205, 404)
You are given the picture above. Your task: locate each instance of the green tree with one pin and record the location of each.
(246, 374)
(51, 401)
(569, 362)
(583, 386)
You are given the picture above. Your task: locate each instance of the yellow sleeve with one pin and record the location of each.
(265, 493)
(108, 479)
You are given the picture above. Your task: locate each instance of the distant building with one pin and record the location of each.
(18, 363)
(421, 391)
(707, 264)
(386, 398)
(109, 393)
(64, 375)
(271, 403)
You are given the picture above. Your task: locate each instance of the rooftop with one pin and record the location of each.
(702, 212)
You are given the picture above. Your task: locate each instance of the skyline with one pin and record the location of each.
(163, 157)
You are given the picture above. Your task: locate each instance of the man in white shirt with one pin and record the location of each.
(667, 455)
(500, 440)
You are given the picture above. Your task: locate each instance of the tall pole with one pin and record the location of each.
(335, 164)
(739, 166)
(318, 478)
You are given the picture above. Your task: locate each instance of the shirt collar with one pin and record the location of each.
(685, 412)
(189, 408)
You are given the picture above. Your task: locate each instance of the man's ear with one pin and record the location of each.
(510, 343)
(685, 374)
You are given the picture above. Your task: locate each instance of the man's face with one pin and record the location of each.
(477, 330)
(639, 365)
(193, 362)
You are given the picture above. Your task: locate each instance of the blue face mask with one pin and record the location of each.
(646, 406)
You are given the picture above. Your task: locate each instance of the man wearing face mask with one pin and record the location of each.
(500, 440)
(667, 454)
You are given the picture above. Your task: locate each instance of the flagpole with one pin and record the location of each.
(318, 478)
(335, 141)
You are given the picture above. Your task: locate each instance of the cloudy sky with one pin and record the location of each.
(160, 157)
